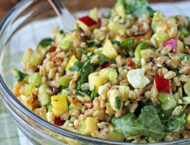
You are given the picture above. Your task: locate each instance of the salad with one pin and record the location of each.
(121, 77)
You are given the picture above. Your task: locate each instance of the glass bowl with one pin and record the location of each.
(23, 27)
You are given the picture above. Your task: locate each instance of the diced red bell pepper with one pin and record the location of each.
(58, 121)
(131, 64)
(162, 84)
(53, 48)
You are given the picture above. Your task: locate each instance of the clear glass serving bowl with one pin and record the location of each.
(22, 28)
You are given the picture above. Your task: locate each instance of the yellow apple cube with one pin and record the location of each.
(96, 80)
(109, 50)
(116, 27)
(59, 103)
(71, 62)
(88, 126)
(94, 14)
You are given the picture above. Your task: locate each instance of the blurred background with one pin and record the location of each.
(6, 5)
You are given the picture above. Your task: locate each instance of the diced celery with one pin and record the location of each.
(34, 79)
(43, 96)
(64, 81)
(77, 106)
(35, 61)
(187, 88)
(138, 52)
(168, 101)
(28, 90)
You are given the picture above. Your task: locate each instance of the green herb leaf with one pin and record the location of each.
(137, 7)
(118, 102)
(186, 57)
(84, 69)
(102, 59)
(116, 42)
(128, 45)
(45, 42)
(77, 66)
(148, 124)
(175, 123)
(19, 75)
(93, 43)
(79, 93)
(183, 31)
(93, 93)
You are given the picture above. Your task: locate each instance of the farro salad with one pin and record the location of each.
(121, 77)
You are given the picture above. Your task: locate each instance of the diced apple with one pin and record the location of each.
(176, 45)
(109, 72)
(96, 80)
(86, 23)
(116, 27)
(158, 38)
(88, 126)
(59, 103)
(94, 14)
(109, 50)
(162, 85)
(71, 62)
(115, 136)
(119, 9)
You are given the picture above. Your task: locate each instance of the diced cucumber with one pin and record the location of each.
(35, 61)
(168, 101)
(28, 89)
(64, 81)
(43, 96)
(34, 79)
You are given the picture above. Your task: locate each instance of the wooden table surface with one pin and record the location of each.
(6, 5)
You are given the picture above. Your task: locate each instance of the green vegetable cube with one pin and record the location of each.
(34, 79)
(64, 81)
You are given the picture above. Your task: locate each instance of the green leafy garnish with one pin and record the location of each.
(19, 75)
(45, 42)
(83, 51)
(186, 57)
(118, 102)
(93, 93)
(137, 7)
(175, 123)
(183, 31)
(79, 93)
(116, 42)
(128, 45)
(102, 59)
(62, 32)
(84, 69)
(93, 43)
(147, 124)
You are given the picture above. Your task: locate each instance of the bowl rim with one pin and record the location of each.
(7, 93)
